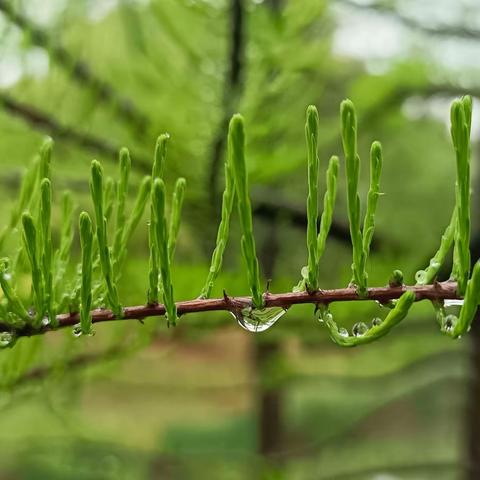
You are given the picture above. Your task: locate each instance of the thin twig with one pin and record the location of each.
(436, 291)
(43, 121)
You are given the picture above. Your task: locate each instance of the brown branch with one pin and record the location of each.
(436, 291)
(79, 71)
(43, 121)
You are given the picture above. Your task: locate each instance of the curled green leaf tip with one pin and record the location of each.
(160, 155)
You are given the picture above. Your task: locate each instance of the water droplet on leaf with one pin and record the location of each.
(421, 276)
(376, 321)
(343, 332)
(359, 329)
(258, 319)
(449, 323)
(77, 331)
(7, 339)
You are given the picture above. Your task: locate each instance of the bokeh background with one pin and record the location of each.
(208, 399)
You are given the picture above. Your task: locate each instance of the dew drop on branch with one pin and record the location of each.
(359, 329)
(343, 332)
(258, 319)
(7, 339)
(377, 321)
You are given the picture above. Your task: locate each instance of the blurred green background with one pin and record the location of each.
(208, 399)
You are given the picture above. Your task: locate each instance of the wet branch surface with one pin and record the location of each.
(436, 291)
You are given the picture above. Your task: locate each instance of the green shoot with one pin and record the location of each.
(236, 145)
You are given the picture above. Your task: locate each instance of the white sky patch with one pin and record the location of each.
(11, 69)
(439, 107)
(368, 36)
(99, 9)
(43, 12)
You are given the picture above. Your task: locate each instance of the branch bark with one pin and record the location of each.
(436, 291)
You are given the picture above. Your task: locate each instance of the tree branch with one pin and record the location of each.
(232, 90)
(43, 121)
(436, 291)
(79, 71)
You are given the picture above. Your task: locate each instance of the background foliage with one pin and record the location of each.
(207, 398)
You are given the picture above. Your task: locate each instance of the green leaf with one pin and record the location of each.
(394, 317)
(376, 160)
(14, 303)
(222, 232)
(97, 192)
(86, 243)
(31, 247)
(236, 146)
(328, 205)
(311, 135)
(122, 192)
(46, 249)
(424, 277)
(352, 163)
(460, 115)
(175, 215)
(160, 156)
(160, 243)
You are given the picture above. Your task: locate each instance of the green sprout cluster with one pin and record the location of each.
(105, 236)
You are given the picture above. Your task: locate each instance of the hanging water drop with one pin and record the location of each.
(322, 314)
(359, 329)
(7, 339)
(258, 319)
(77, 330)
(45, 321)
(449, 323)
(377, 321)
(343, 332)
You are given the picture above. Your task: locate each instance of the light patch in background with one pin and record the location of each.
(367, 36)
(380, 39)
(11, 69)
(99, 9)
(44, 12)
(438, 107)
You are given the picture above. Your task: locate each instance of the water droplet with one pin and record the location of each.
(304, 272)
(77, 332)
(421, 276)
(322, 314)
(258, 320)
(7, 276)
(343, 332)
(45, 321)
(434, 263)
(359, 329)
(449, 323)
(376, 321)
(7, 339)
